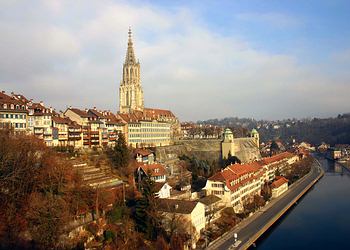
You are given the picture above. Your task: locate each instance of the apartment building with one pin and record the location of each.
(40, 122)
(13, 114)
(238, 183)
(144, 132)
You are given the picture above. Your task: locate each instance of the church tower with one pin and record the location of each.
(130, 90)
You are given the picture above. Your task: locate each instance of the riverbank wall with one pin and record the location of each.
(282, 212)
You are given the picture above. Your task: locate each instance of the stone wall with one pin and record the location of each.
(207, 149)
(246, 149)
(204, 149)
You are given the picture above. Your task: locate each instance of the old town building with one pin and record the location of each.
(238, 183)
(13, 114)
(145, 126)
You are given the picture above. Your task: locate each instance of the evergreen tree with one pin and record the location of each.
(121, 153)
(146, 215)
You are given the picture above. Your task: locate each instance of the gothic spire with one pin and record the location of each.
(130, 56)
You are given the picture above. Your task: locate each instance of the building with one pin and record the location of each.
(144, 132)
(213, 207)
(333, 153)
(144, 156)
(156, 172)
(190, 214)
(40, 122)
(130, 90)
(93, 128)
(279, 164)
(245, 149)
(145, 126)
(279, 186)
(162, 190)
(236, 184)
(114, 125)
(13, 114)
(67, 132)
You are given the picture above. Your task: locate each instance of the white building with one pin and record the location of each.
(162, 190)
(279, 186)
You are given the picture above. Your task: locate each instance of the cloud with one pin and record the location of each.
(75, 58)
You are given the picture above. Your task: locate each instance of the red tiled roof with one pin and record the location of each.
(240, 169)
(112, 118)
(97, 113)
(279, 182)
(155, 169)
(150, 112)
(143, 152)
(6, 99)
(63, 120)
(276, 158)
(80, 112)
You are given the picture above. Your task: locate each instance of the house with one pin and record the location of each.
(279, 186)
(155, 172)
(145, 156)
(162, 190)
(189, 211)
(213, 206)
(40, 122)
(13, 114)
(236, 184)
(92, 127)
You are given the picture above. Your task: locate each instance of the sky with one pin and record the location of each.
(261, 59)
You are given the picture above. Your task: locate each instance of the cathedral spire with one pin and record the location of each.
(130, 55)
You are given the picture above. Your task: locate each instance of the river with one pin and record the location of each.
(320, 220)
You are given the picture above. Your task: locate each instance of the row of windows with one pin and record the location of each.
(12, 125)
(158, 177)
(148, 135)
(150, 141)
(157, 125)
(12, 106)
(217, 192)
(155, 130)
(217, 185)
(13, 116)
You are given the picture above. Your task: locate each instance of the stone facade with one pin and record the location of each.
(245, 149)
(130, 90)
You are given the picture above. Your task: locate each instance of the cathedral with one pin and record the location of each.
(130, 90)
(146, 126)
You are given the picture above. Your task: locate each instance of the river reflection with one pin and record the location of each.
(320, 220)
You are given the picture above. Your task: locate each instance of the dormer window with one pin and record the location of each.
(5, 106)
(12, 106)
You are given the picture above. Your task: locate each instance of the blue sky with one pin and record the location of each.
(201, 59)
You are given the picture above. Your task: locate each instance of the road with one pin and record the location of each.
(251, 226)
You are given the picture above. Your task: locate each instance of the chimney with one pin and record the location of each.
(95, 108)
(3, 91)
(41, 103)
(86, 110)
(70, 106)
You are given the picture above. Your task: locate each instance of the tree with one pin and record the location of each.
(146, 215)
(266, 192)
(121, 153)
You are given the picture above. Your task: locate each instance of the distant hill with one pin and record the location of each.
(335, 130)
